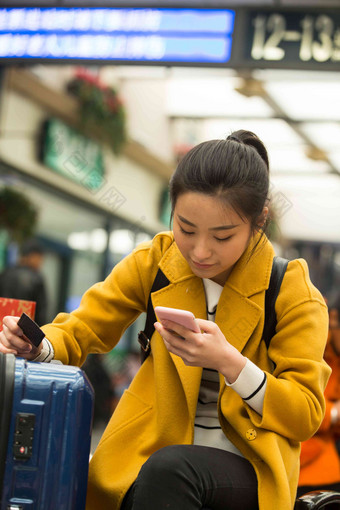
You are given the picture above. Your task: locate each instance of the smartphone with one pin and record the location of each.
(182, 317)
(31, 330)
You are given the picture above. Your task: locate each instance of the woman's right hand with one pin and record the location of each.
(13, 341)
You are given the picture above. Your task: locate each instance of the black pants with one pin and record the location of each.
(188, 477)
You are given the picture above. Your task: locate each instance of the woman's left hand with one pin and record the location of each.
(208, 349)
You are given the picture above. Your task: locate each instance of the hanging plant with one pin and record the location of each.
(101, 108)
(17, 214)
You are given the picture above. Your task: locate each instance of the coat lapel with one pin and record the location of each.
(237, 316)
(239, 309)
(241, 304)
(184, 291)
(184, 294)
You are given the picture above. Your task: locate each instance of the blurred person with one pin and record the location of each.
(320, 462)
(123, 376)
(212, 418)
(25, 281)
(103, 386)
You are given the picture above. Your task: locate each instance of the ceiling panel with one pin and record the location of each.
(211, 97)
(272, 131)
(314, 207)
(293, 159)
(334, 157)
(325, 134)
(303, 100)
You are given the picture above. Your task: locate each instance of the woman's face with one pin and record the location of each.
(210, 235)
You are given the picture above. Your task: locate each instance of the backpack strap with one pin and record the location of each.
(278, 271)
(144, 336)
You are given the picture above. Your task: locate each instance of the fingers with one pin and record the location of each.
(168, 334)
(176, 328)
(11, 338)
(3, 348)
(174, 344)
(207, 326)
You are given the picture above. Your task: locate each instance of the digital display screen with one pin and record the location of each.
(298, 37)
(118, 34)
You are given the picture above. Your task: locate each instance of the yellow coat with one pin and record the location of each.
(159, 407)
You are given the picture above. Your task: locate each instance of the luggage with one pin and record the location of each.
(45, 435)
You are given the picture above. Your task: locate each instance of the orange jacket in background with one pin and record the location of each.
(320, 463)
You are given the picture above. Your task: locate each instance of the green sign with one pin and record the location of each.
(68, 152)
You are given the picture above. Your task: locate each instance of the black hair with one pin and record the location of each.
(235, 170)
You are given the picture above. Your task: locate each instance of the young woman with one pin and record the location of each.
(214, 419)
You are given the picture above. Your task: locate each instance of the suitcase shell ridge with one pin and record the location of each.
(54, 406)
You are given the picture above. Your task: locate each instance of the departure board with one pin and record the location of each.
(240, 38)
(109, 34)
(297, 37)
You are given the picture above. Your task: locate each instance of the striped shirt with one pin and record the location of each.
(250, 385)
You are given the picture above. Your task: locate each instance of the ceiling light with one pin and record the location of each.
(250, 88)
(121, 241)
(316, 154)
(79, 240)
(98, 240)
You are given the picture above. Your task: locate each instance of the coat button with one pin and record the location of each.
(251, 434)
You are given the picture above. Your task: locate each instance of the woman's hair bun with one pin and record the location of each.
(234, 138)
(249, 138)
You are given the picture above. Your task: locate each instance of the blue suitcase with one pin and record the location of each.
(46, 413)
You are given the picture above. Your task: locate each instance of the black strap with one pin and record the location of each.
(144, 336)
(278, 270)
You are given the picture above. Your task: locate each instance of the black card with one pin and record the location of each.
(31, 329)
